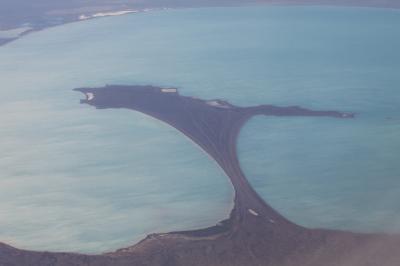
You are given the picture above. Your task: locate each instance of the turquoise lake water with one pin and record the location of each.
(78, 179)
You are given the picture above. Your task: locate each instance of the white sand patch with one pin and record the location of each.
(251, 211)
(170, 90)
(217, 103)
(89, 96)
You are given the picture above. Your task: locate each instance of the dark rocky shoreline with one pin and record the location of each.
(255, 233)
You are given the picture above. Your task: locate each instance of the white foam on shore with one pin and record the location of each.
(107, 14)
(118, 13)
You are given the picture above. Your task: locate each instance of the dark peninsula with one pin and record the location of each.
(255, 233)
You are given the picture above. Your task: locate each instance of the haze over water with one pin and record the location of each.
(78, 179)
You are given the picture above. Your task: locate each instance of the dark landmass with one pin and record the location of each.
(4, 41)
(254, 234)
(40, 14)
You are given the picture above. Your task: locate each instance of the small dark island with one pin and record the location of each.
(255, 233)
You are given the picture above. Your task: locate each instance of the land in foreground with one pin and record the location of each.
(254, 234)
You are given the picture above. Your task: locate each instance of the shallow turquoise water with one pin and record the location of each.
(327, 173)
(75, 178)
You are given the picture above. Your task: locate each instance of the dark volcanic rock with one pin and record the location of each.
(254, 234)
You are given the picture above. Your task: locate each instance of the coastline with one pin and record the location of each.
(79, 18)
(254, 233)
(84, 16)
(91, 95)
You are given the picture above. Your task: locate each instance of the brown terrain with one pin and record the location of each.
(255, 233)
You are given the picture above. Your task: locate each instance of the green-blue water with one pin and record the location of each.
(78, 179)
